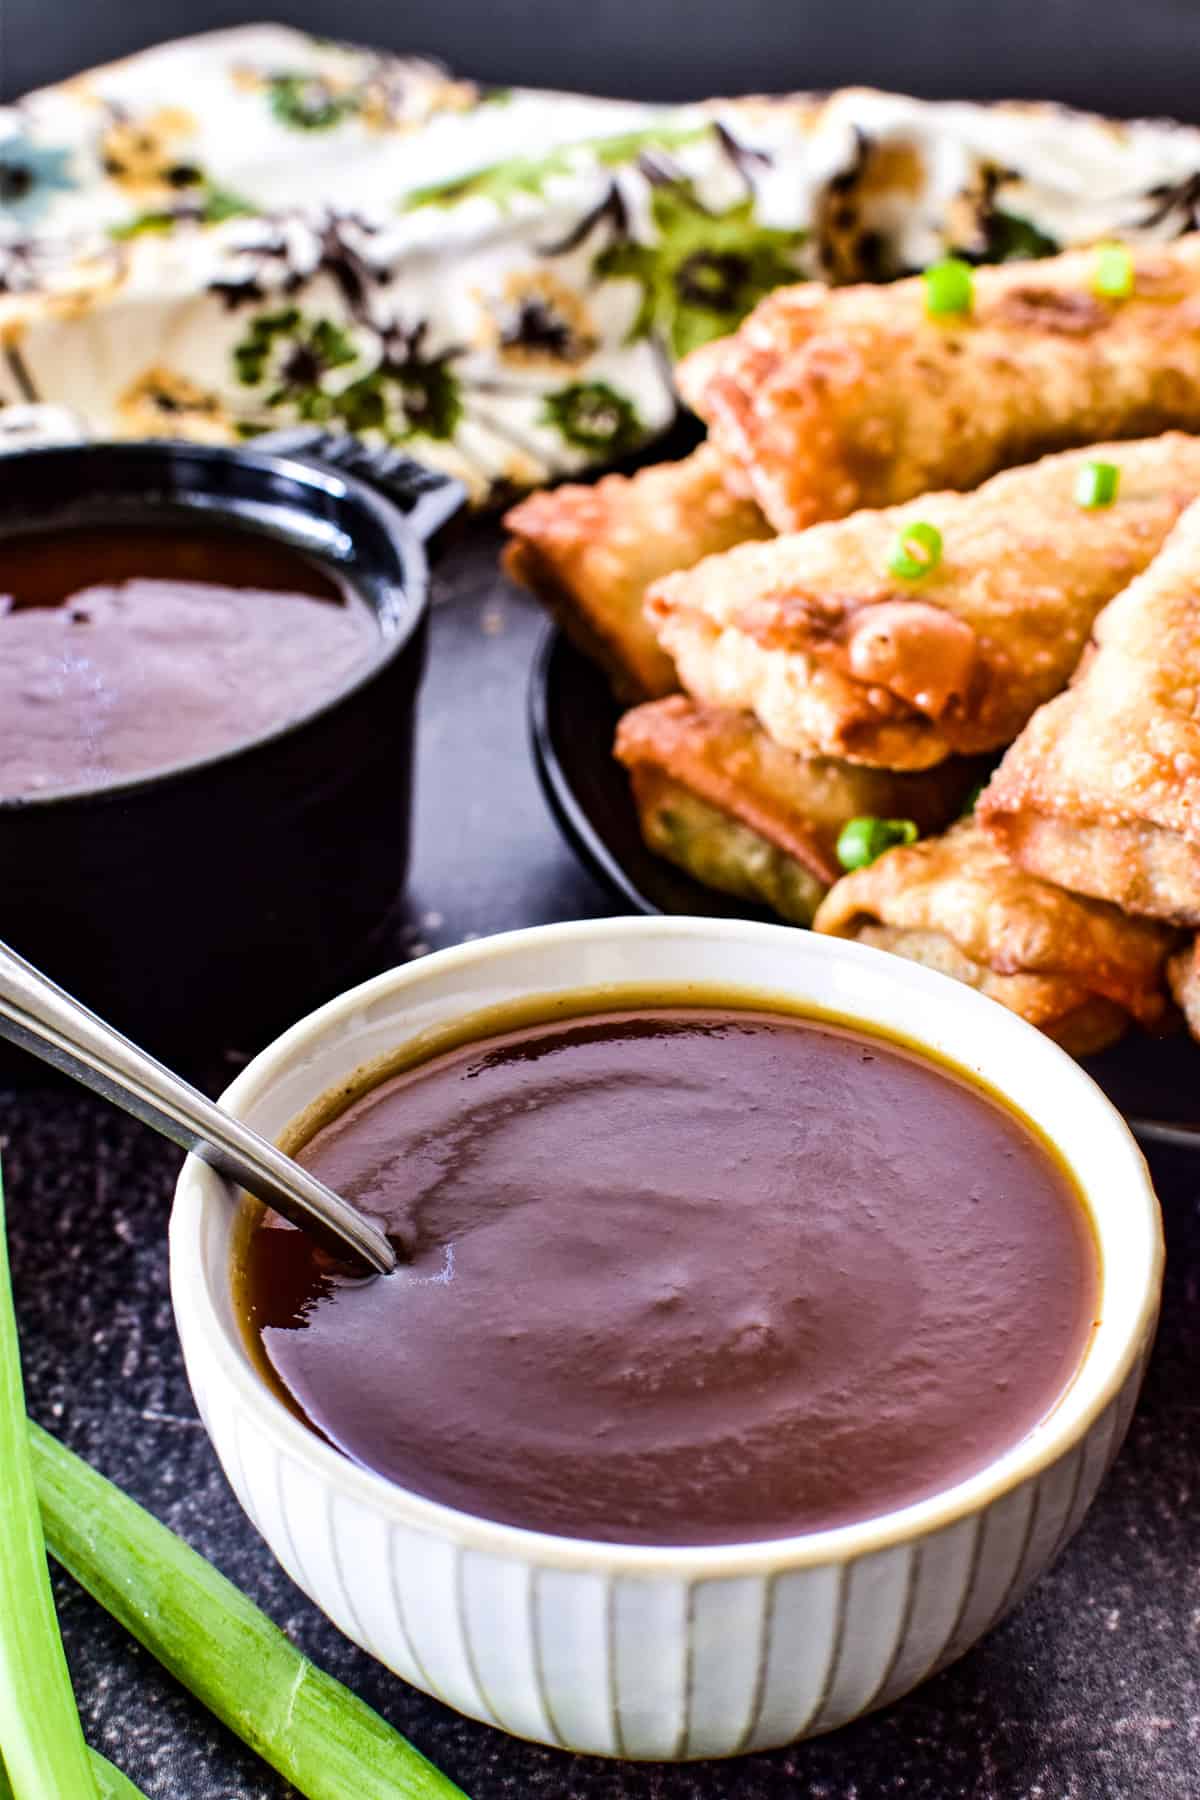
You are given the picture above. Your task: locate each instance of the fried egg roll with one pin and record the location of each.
(827, 400)
(1077, 968)
(716, 797)
(1101, 791)
(838, 655)
(591, 552)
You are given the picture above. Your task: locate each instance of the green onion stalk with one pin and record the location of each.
(110, 1783)
(319, 1736)
(42, 1741)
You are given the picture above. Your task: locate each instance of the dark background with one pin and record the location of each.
(1129, 59)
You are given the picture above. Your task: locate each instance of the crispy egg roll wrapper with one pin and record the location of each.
(591, 552)
(827, 400)
(718, 798)
(1077, 968)
(1101, 791)
(838, 657)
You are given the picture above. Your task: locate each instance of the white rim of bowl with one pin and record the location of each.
(1106, 1364)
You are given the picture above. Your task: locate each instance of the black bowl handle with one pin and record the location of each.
(429, 500)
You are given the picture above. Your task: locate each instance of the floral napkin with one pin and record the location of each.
(255, 228)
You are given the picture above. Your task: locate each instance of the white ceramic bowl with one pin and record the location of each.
(675, 1652)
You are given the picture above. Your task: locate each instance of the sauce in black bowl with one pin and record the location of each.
(203, 904)
(127, 651)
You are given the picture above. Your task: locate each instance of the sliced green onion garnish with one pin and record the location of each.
(44, 1752)
(949, 288)
(1096, 484)
(918, 550)
(1114, 274)
(972, 800)
(323, 1739)
(861, 841)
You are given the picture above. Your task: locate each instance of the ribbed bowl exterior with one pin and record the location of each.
(649, 1666)
(666, 1654)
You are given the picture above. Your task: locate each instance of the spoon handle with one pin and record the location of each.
(39, 1016)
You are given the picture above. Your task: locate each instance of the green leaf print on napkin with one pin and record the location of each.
(501, 182)
(594, 417)
(293, 354)
(307, 102)
(498, 182)
(705, 271)
(402, 403)
(211, 205)
(1012, 239)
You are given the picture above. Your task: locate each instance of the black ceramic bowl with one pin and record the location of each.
(205, 906)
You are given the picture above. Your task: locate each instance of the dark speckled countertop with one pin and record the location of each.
(1091, 1691)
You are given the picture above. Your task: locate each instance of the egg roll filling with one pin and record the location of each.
(717, 797)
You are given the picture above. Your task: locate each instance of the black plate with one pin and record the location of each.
(572, 718)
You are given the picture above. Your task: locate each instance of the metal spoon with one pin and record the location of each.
(39, 1016)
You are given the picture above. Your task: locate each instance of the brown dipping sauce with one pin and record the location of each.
(682, 1276)
(126, 650)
